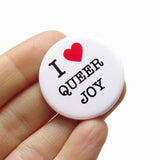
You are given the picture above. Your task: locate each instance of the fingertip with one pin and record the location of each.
(52, 33)
(95, 128)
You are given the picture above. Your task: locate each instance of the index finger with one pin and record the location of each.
(19, 66)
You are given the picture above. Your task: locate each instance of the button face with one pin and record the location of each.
(80, 78)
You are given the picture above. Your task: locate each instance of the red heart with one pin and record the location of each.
(75, 53)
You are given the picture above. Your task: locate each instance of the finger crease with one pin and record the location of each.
(26, 152)
(17, 68)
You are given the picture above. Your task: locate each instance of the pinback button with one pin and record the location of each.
(80, 78)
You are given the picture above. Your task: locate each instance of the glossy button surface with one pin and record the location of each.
(80, 78)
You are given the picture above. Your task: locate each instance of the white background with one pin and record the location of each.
(131, 28)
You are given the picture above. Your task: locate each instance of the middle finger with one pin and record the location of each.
(21, 117)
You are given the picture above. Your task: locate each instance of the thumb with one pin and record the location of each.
(85, 142)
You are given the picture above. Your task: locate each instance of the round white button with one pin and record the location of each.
(80, 78)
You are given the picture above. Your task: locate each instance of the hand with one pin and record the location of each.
(25, 133)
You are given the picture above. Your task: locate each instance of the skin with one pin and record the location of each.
(25, 133)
